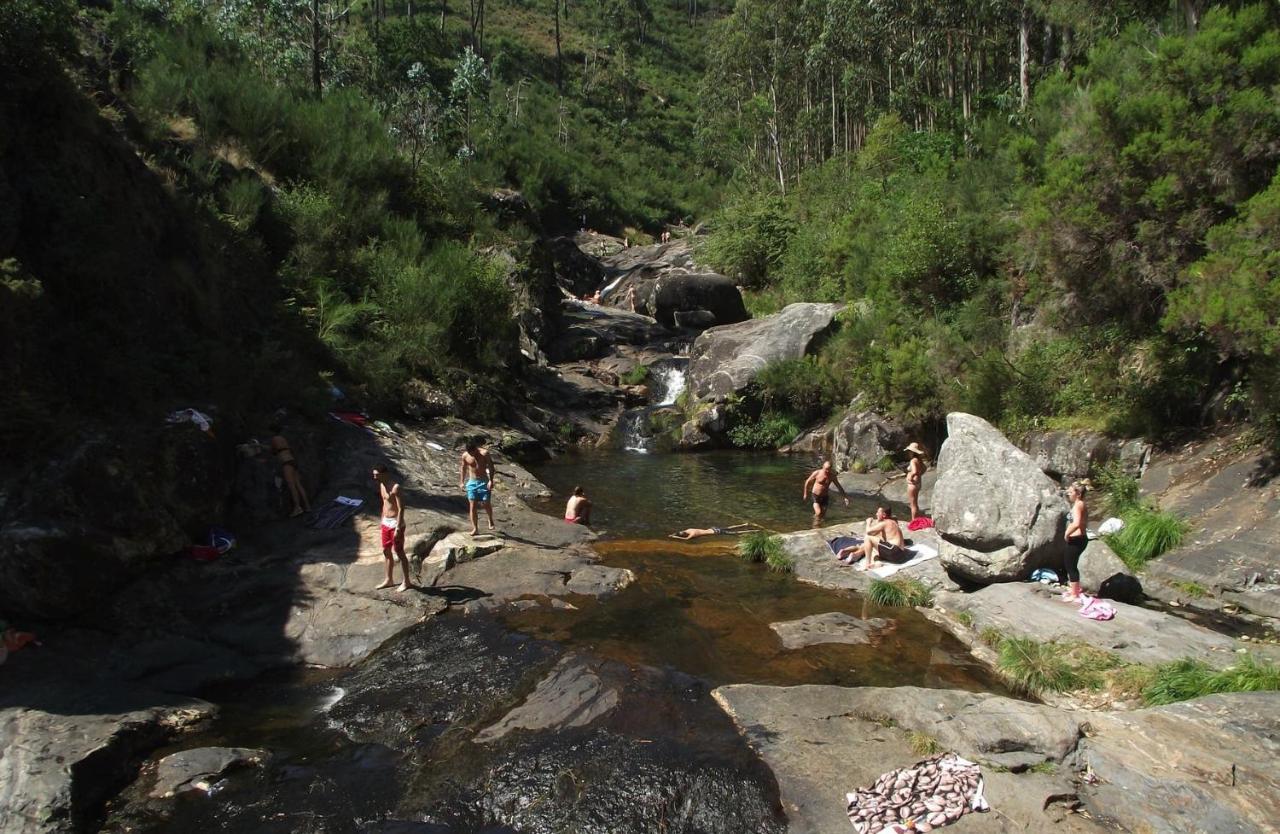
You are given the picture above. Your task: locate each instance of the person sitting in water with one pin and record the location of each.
(699, 532)
(883, 538)
(578, 509)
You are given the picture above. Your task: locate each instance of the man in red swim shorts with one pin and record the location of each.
(392, 528)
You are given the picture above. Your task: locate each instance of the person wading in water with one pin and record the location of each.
(819, 483)
(477, 478)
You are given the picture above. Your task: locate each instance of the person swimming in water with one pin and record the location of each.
(699, 532)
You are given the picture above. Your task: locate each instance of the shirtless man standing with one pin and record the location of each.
(392, 529)
(477, 478)
(819, 483)
(883, 537)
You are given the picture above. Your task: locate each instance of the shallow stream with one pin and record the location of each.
(392, 745)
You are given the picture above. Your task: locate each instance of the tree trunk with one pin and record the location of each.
(444, 12)
(317, 44)
(559, 57)
(1192, 14)
(1024, 56)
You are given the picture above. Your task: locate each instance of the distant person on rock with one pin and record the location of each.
(631, 298)
(1077, 540)
(915, 474)
(392, 528)
(289, 471)
(578, 509)
(819, 484)
(477, 478)
(883, 537)
(699, 532)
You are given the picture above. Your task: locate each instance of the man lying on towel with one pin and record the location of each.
(883, 539)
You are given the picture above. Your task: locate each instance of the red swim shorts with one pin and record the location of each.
(389, 536)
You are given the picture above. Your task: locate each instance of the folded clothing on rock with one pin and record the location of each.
(922, 797)
(920, 523)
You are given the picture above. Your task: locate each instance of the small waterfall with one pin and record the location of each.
(631, 426)
(668, 384)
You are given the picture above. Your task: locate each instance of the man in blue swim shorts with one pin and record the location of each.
(477, 478)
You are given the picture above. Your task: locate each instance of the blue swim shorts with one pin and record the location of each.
(477, 490)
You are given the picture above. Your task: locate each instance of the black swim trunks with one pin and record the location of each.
(719, 531)
(821, 500)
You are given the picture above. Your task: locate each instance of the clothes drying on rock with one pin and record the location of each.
(920, 523)
(334, 513)
(927, 795)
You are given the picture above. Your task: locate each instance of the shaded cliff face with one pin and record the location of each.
(120, 301)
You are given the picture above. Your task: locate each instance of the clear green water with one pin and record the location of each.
(697, 607)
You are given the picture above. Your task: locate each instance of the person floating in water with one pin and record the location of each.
(289, 471)
(699, 532)
(819, 483)
(477, 478)
(578, 508)
(915, 473)
(883, 538)
(392, 528)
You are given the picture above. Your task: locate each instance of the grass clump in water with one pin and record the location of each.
(1147, 533)
(1187, 678)
(899, 593)
(760, 546)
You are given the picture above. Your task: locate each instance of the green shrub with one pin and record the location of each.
(899, 593)
(1187, 678)
(635, 376)
(1120, 491)
(1147, 533)
(769, 432)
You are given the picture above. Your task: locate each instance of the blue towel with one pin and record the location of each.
(841, 542)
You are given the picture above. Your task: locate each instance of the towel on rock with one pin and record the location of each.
(920, 523)
(931, 793)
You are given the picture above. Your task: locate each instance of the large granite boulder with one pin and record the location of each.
(725, 360)
(1071, 455)
(866, 436)
(696, 300)
(999, 517)
(1103, 574)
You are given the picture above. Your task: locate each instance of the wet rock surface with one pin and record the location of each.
(830, 628)
(1205, 765)
(999, 517)
(823, 741)
(411, 746)
(195, 769)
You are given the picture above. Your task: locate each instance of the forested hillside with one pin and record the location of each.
(278, 188)
(1047, 213)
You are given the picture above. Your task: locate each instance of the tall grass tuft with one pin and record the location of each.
(1187, 678)
(1036, 667)
(1147, 533)
(899, 593)
(760, 546)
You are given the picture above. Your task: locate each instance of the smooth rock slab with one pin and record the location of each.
(179, 772)
(822, 741)
(832, 627)
(1138, 635)
(724, 360)
(1205, 765)
(571, 695)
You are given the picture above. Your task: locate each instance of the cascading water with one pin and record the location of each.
(666, 384)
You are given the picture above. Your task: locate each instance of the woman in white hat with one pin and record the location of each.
(915, 473)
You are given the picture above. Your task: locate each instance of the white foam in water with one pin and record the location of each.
(671, 381)
(632, 440)
(332, 698)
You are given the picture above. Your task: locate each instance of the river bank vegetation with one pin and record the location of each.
(1038, 213)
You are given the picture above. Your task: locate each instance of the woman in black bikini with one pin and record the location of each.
(1077, 540)
(289, 470)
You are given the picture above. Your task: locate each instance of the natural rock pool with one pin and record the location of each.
(591, 717)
